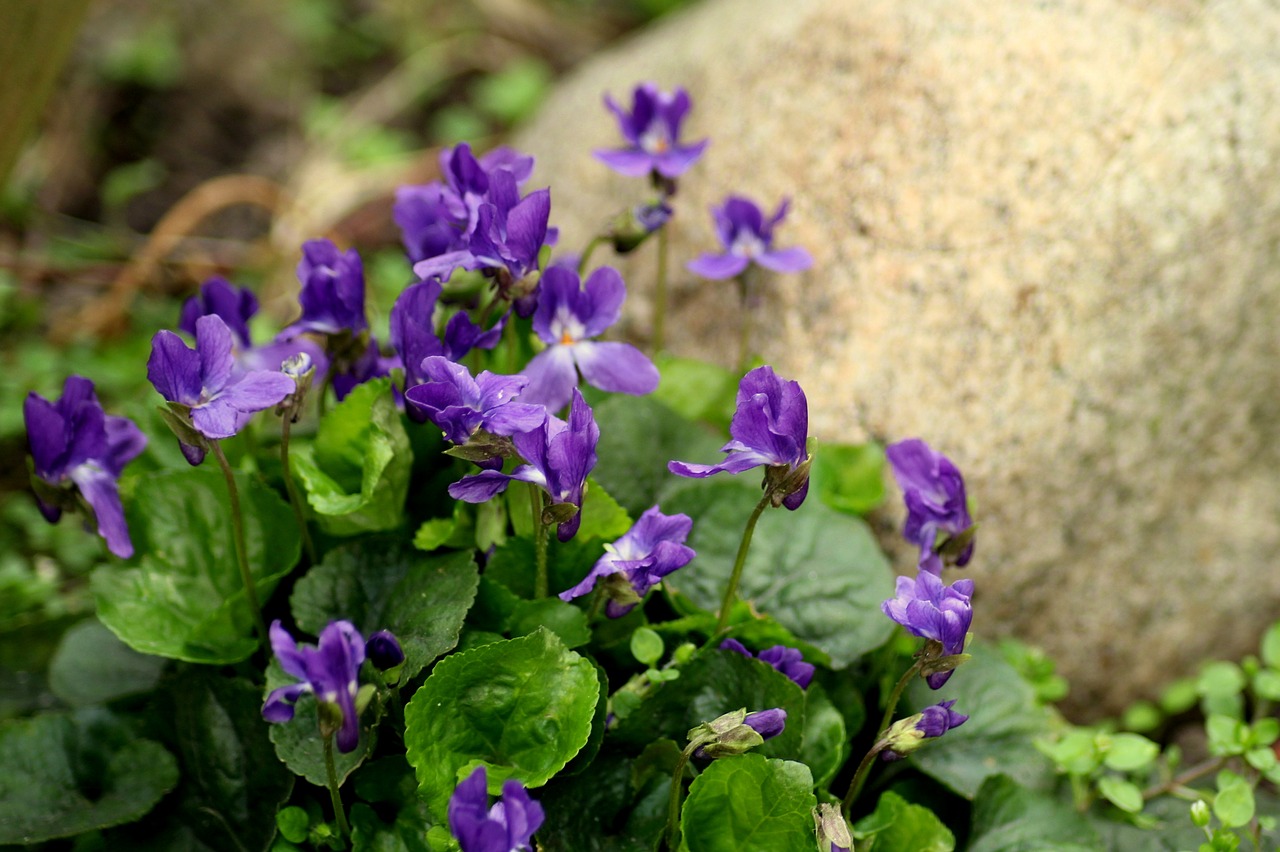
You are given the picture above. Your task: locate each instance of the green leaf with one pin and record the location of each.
(826, 741)
(1127, 752)
(750, 802)
(298, 743)
(293, 823)
(638, 436)
(602, 516)
(232, 782)
(647, 646)
(1227, 735)
(820, 573)
(356, 474)
(1234, 805)
(849, 478)
(1004, 720)
(183, 596)
(514, 564)
(1125, 795)
(582, 810)
(1271, 646)
(565, 620)
(1010, 818)
(697, 390)
(1266, 684)
(92, 666)
(457, 531)
(896, 824)
(522, 707)
(713, 683)
(383, 584)
(65, 775)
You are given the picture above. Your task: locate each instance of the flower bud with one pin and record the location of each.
(831, 829)
(907, 735)
(383, 650)
(736, 732)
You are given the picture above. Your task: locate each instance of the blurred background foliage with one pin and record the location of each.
(181, 139)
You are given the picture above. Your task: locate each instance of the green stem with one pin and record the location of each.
(540, 583)
(864, 768)
(660, 294)
(744, 331)
(731, 591)
(338, 811)
(295, 500)
(1201, 769)
(596, 241)
(237, 527)
(673, 804)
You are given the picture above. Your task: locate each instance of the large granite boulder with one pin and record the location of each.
(1046, 241)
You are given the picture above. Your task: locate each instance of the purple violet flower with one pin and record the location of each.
(558, 456)
(636, 562)
(928, 608)
(330, 670)
(933, 490)
(203, 379)
(508, 826)
(236, 306)
(383, 650)
(747, 238)
(567, 317)
(767, 723)
(652, 132)
(789, 661)
(770, 427)
(75, 444)
(460, 405)
(907, 735)
(332, 296)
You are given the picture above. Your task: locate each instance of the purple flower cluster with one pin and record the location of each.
(933, 490)
(329, 670)
(507, 826)
(789, 661)
(635, 563)
(461, 405)
(747, 238)
(930, 609)
(77, 448)
(770, 427)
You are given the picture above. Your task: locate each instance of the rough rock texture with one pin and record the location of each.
(1045, 237)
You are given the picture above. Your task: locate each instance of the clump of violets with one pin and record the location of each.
(209, 399)
(932, 610)
(568, 316)
(746, 237)
(769, 429)
(467, 408)
(907, 735)
(236, 306)
(789, 661)
(329, 670)
(558, 456)
(507, 826)
(933, 490)
(651, 131)
(653, 548)
(78, 453)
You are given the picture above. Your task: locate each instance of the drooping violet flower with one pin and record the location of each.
(933, 490)
(635, 563)
(567, 317)
(789, 661)
(203, 379)
(930, 609)
(460, 405)
(907, 735)
(747, 237)
(332, 296)
(507, 826)
(558, 456)
(330, 670)
(368, 365)
(510, 232)
(76, 446)
(770, 427)
(652, 133)
(236, 306)
(736, 732)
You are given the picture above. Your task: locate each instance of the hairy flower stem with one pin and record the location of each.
(660, 294)
(290, 487)
(541, 587)
(596, 241)
(242, 555)
(339, 812)
(673, 804)
(864, 768)
(731, 591)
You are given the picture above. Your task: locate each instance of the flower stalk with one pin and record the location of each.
(541, 584)
(237, 527)
(673, 801)
(660, 294)
(731, 590)
(864, 768)
(340, 813)
(291, 488)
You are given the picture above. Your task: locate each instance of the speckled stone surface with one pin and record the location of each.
(1046, 241)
